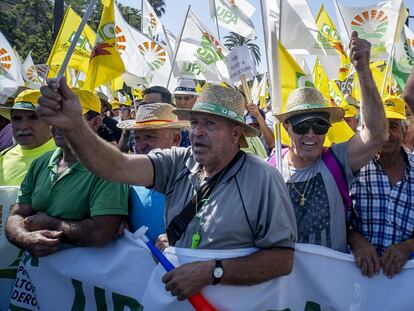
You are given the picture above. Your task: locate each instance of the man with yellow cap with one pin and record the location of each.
(32, 135)
(383, 196)
(351, 112)
(61, 201)
(207, 186)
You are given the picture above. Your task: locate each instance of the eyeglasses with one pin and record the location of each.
(183, 97)
(318, 127)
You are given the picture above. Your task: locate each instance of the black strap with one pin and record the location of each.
(179, 223)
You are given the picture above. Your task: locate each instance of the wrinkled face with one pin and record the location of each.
(152, 98)
(28, 129)
(183, 101)
(308, 146)
(395, 137)
(212, 138)
(147, 140)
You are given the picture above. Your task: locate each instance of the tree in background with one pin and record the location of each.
(234, 40)
(28, 25)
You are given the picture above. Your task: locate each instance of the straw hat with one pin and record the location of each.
(223, 102)
(154, 116)
(186, 87)
(307, 100)
(394, 107)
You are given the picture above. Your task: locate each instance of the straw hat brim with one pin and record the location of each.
(248, 131)
(133, 125)
(336, 114)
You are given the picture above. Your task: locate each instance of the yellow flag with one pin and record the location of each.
(80, 57)
(329, 36)
(106, 63)
(320, 79)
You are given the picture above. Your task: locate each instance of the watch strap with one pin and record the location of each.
(218, 264)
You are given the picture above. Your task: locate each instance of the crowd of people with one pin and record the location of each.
(198, 170)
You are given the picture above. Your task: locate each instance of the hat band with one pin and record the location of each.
(24, 105)
(308, 106)
(154, 122)
(219, 110)
(182, 88)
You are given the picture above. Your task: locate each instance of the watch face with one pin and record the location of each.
(218, 272)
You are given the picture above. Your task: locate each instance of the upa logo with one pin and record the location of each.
(227, 16)
(303, 80)
(120, 40)
(5, 61)
(210, 50)
(105, 40)
(154, 54)
(328, 37)
(82, 44)
(372, 26)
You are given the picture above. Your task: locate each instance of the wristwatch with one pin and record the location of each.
(218, 272)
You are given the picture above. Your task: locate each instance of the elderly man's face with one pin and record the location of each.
(29, 130)
(147, 140)
(183, 101)
(395, 137)
(309, 145)
(212, 137)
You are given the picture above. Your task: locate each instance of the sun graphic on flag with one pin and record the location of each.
(370, 24)
(153, 20)
(153, 54)
(5, 60)
(32, 73)
(120, 40)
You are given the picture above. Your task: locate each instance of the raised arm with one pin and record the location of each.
(60, 107)
(409, 91)
(261, 266)
(364, 145)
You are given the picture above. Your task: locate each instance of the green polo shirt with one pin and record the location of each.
(74, 195)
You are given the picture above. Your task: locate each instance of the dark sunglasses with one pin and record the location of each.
(318, 127)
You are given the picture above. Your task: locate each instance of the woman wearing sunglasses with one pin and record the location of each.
(318, 204)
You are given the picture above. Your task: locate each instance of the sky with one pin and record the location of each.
(176, 9)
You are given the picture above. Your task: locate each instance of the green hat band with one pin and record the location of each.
(308, 106)
(24, 105)
(219, 110)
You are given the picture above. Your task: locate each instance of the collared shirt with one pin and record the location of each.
(384, 213)
(249, 206)
(73, 195)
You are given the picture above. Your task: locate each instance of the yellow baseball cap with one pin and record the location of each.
(394, 107)
(26, 100)
(88, 100)
(115, 104)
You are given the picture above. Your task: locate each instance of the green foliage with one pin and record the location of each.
(234, 40)
(131, 15)
(28, 25)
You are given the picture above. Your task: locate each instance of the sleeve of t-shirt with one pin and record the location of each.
(24, 195)
(108, 198)
(341, 154)
(166, 163)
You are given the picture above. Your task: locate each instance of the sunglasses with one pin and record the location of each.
(318, 127)
(183, 97)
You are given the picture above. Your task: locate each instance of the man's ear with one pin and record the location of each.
(95, 123)
(176, 139)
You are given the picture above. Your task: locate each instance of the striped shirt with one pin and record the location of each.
(384, 213)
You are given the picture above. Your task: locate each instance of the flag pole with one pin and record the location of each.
(75, 39)
(177, 46)
(142, 16)
(217, 25)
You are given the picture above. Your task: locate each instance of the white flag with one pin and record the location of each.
(136, 67)
(29, 72)
(234, 15)
(10, 70)
(380, 24)
(151, 25)
(200, 55)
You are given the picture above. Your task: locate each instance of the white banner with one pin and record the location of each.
(8, 252)
(123, 275)
(240, 63)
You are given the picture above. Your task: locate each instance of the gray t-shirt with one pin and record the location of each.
(321, 220)
(249, 207)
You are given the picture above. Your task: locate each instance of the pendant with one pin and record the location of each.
(302, 201)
